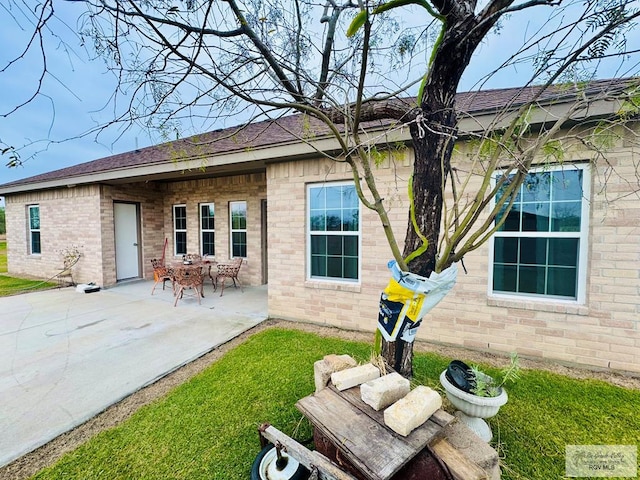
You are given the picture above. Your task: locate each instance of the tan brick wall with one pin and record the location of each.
(222, 190)
(68, 216)
(291, 295)
(604, 332)
(83, 216)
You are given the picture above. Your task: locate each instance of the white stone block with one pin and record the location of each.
(322, 369)
(413, 410)
(383, 391)
(351, 377)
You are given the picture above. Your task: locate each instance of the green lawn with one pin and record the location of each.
(3, 257)
(207, 427)
(13, 286)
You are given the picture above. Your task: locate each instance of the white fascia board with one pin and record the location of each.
(539, 114)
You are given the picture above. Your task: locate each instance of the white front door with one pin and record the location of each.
(125, 219)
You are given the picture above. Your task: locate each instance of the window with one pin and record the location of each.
(334, 231)
(180, 229)
(207, 229)
(35, 247)
(541, 249)
(238, 216)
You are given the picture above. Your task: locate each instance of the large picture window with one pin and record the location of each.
(541, 249)
(238, 217)
(35, 246)
(207, 229)
(180, 229)
(334, 231)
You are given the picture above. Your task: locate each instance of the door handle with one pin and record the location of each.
(135, 244)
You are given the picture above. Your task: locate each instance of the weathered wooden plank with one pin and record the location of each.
(369, 445)
(460, 466)
(310, 459)
(442, 418)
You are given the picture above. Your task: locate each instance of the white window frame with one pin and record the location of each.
(34, 230)
(238, 230)
(211, 206)
(310, 233)
(179, 230)
(582, 236)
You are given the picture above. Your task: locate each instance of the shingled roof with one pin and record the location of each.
(289, 130)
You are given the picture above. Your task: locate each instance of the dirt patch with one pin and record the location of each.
(49, 453)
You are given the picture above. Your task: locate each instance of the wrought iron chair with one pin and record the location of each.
(188, 277)
(228, 270)
(161, 274)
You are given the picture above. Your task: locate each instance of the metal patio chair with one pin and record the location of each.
(188, 277)
(65, 276)
(161, 273)
(228, 270)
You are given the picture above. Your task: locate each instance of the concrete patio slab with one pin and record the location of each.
(67, 355)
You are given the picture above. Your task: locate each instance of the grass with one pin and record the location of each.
(207, 427)
(11, 285)
(3, 257)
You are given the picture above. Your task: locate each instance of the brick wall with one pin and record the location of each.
(83, 216)
(149, 198)
(222, 190)
(68, 216)
(604, 332)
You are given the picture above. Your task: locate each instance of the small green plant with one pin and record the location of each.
(487, 386)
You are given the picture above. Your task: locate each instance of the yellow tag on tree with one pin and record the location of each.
(415, 306)
(413, 301)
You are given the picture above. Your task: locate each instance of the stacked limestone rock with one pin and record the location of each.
(405, 409)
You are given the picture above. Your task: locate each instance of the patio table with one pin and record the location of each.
(189, 275)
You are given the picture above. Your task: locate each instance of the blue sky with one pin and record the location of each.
(77, 98)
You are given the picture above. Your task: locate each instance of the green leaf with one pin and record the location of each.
(361, 17)
(356, 23)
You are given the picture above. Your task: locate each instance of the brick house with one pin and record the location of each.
(570, 294)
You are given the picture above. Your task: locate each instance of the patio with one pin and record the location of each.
(69, 355)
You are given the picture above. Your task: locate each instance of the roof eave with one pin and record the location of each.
(257, 158)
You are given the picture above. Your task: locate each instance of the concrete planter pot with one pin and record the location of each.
(472, 409)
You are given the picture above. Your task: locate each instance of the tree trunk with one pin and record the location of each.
(433, 134)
